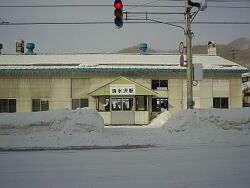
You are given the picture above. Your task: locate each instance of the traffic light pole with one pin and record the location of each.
(187, 30)
(189, 35)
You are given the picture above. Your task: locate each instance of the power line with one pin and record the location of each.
(217, 1)
(54, 23)
(109, 22)
(228, 7)
(220, 1)
(82, 5)
(157, 13)
(222, 23)
(52, 6)
(132, 6)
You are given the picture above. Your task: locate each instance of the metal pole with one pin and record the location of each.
(189, 56)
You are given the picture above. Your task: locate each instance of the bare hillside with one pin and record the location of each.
(237, 51)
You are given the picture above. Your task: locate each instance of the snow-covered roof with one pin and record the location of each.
(112, 62)
(246, 85)
(246, 74)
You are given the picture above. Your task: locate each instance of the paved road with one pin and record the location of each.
(194, 166)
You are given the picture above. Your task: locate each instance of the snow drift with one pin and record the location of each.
(227, 119)
(85, 127)
(160, 120)
(85, 119)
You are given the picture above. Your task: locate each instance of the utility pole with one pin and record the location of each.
(202, 5)
(233, 54)
(189, 35)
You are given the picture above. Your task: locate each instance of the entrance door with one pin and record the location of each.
(122, 111)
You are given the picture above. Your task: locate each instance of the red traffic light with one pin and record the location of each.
(118, 4)
(118, 13)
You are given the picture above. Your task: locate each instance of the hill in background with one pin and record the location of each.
(135, 49)
(237, 51)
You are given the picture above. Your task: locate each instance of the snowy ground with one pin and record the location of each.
(193, 149)
(84, 127)
(197, 166)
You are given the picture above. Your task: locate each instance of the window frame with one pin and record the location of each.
(103, 103)
(157, 84)
(82, 103)
(8, 105)
(130, 103)
(41, 104)
(156, 107)
(246, 94)
(120, 102)
(218, 102)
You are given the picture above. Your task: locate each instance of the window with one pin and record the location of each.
(220, 102)
(121, 104)
(79, 103)
(116, 104)
(127, 104)
(155, 84)
(247, 94)
(159, 104)
(7, 105)
(40, 105)
(107, 105)
(103, 104)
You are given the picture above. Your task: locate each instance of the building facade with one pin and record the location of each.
(123, 88)
(246, 89)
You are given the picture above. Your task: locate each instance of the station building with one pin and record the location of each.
(246, 89)
(123, 88)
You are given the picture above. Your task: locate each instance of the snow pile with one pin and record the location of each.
(85, 127)
(68, 121)
(160, 120)
(227, 119)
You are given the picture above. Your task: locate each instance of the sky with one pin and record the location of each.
(102, 38)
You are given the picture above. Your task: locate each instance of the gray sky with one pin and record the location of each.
(105, 37)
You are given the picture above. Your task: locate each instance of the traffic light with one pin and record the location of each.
(202, 5)
(118, 13)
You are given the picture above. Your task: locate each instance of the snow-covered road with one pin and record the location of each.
(195, 149)
(213, 165)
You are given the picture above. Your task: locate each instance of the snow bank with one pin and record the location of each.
(85, 119)
(85, 127)
(227, 119)
(160, 120)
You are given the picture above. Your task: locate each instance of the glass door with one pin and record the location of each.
(122, 110)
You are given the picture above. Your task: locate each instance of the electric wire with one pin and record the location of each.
(107, 5)
(87, 5)
(147, 4)
(217, 1)
(110, 22)
(81, 5)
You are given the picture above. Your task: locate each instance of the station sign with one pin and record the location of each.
(122, 89)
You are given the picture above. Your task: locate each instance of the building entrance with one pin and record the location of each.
(123, 102)
(122, 110)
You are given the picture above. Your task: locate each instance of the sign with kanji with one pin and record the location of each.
(122, 89)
